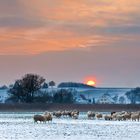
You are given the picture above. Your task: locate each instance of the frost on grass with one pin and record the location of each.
(20, 126)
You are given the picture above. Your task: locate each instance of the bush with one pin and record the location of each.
(63, 96)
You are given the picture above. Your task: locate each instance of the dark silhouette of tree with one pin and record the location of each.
(93, 101)
(121, 100)
(52, 84)
(74, 85)
(26, 88)
(133, 95)
(17, 93)
(43, 97)
(63, 96)
(115, 98)
(45, 85)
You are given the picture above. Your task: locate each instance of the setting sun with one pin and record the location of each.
(91, 83)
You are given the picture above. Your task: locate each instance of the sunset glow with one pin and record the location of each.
(91, 83)
(67, 40)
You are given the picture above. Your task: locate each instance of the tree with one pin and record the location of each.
(63, 96)
(52, 84)
(115, 98)
(93, 101)
(26, 88)
(17, 93)
(45, 85)
(133, 95)
(121, 100)
(43, 97)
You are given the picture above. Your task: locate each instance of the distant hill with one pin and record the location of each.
(3, 87)
(73, 85)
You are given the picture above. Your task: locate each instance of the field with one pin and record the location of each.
(20, 125)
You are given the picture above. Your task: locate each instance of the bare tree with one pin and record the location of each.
(52, 84)
(133, 95)
(26, 87)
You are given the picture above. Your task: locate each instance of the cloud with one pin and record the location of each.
(33, 27)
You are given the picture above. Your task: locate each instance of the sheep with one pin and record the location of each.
(127, 116)
(46, 113)
(120, 117)
(108, 117)
(74, 114)
(112, 113)
(48, 117)
(39, 118)
(99, 116)
(90, 114)
(57, 114)
(135, 116)
(65, 113)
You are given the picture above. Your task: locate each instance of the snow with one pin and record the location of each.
(3, 95)
(98, 93)
(95, 93)
(20, 126)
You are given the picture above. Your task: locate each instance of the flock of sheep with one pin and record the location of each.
(120, 116)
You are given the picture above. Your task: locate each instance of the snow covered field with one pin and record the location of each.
(19, 126)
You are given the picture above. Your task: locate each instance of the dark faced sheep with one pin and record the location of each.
(39, 118)
(108, 117)
(74, 114)
(90, 114)
(99, 116)
(57, 114)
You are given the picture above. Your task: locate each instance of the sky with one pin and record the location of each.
(71, 40)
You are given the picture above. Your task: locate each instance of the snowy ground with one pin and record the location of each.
(19, 126)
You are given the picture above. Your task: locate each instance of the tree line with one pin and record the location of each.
(27, 90)
(134, 95)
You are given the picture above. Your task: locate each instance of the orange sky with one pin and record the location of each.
(101, 28)
(41, 26)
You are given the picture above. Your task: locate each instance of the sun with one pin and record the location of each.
(91, 83)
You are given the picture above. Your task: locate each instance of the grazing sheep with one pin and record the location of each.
(108, 117)
(127, 116)
(46, 113)
(70, 114)
(65, 113)
(90, 114)
(75, 116)
(114, 116)
(39, 118)
(120, 117)
(135, 116)
(57, 114)
(112, 113)
(99, 116)
(48, 117)
(74, 113)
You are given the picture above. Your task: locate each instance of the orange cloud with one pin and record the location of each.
(96, 12)
(36, 41)
(66, 24)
